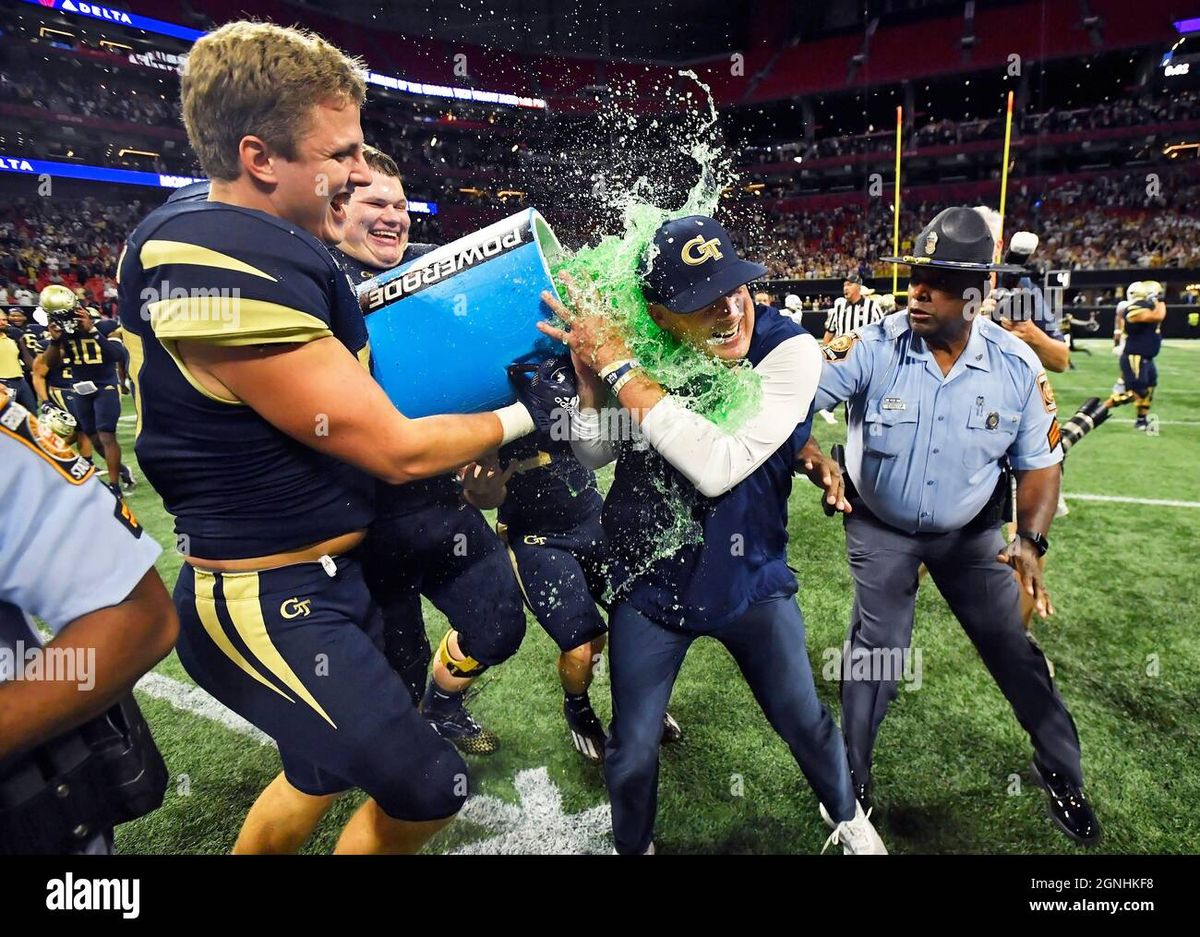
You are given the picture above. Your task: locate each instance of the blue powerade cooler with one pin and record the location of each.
(444, 327)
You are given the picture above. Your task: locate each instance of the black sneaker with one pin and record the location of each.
(671, 731)
(587, 732)
(1069, 808)
(1141, 423)
(127, 480)
(460, 728)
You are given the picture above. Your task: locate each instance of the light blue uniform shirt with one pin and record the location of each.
(924, 450)
(65, 547)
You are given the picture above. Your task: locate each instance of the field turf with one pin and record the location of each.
(952, 765)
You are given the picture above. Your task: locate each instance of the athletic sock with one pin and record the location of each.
(577, 703)
(442, 702)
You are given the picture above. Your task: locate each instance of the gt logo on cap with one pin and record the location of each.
(704, 251)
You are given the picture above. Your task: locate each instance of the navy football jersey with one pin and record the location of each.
(216, 273)
(34, 338)
(1142, 338)
(551, 491)
(86, 357)
(360, 272)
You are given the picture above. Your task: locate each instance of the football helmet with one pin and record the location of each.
(60, 306)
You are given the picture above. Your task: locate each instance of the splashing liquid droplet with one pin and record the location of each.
(725, 393)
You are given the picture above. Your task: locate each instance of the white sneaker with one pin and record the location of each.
(857, 837)
(827, 416)
(1062, 510)
(649, 850)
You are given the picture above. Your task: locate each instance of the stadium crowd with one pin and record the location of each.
(1121, 113)
(72, 242)
(1101, 222)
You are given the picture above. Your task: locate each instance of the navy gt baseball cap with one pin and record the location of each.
(691, 263)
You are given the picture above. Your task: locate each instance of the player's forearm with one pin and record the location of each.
(114, 647)
(432, 445)
(1053, 354)
(1037, 497)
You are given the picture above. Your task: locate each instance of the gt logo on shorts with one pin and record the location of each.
(534, 540)
(295, 608)
(704, 251)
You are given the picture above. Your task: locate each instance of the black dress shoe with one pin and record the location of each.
(1069, 808)
(862, 791)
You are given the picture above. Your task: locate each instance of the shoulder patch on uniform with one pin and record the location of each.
(125, 517)
(1047, 392)
(19, 424)
(838, 348)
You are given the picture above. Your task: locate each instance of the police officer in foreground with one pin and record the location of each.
(939, 398)
(76, 757)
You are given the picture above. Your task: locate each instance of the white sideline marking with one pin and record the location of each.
(534, 826)
(1155, 502)
(194, 700)
(1160, 422)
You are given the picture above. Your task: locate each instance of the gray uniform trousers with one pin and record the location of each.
(984, 597)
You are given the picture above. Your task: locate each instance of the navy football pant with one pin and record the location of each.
(560, 575)
(298, 653)
(21, 392)
(98, 412)
(768, 643)
(1139, 373)
(450, 554)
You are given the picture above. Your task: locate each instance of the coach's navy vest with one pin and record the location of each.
(734, 550)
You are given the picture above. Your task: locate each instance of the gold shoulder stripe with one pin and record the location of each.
(232, 320)
(158, 253)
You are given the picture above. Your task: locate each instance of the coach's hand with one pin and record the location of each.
(1023, 557)
(593, 339)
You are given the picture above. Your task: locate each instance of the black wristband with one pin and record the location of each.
(1039, 541)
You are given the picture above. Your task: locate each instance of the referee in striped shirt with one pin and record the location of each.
(853, 311)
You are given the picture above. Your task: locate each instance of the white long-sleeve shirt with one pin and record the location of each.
(709, 457)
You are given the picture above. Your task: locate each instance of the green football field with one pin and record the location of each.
(952, 765)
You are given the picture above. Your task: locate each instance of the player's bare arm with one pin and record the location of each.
(336, 394)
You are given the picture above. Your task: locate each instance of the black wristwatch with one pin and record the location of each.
(1038, 540)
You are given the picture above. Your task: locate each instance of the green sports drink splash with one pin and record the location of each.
(724, 393)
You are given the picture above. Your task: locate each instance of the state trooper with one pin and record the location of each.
(939, 399)
(76, 757)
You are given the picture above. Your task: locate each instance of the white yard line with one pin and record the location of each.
(1160, 422)
(1114, 499)
(192, 699)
